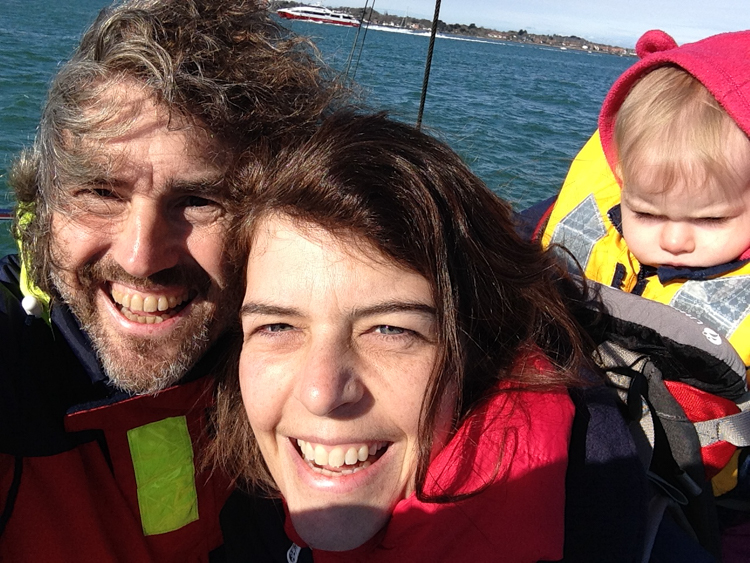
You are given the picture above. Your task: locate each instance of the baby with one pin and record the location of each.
(684, 167)
(658, 202)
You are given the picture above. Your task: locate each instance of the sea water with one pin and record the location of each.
(516, 113)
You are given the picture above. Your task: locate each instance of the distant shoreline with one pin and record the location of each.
(559, 42)
(386, 22)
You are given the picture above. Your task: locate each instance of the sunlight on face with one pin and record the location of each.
(339, 346)
(140, 248)
(684, 226)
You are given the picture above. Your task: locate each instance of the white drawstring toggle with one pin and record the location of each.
(32, 306)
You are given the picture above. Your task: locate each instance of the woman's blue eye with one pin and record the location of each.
(389, 330)
(277, 327)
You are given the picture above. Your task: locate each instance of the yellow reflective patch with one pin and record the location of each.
(162, 456)
(24, 215)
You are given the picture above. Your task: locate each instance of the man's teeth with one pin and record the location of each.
(338, 456)
(135, 303)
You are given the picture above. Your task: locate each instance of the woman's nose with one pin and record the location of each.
(329, 381)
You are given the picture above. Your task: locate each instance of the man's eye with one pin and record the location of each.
(103, 192)
(197, 201)
(200, 210)
(96, 191)
(389, 330)
(97, 199)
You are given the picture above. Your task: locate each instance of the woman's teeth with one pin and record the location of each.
(339, 456)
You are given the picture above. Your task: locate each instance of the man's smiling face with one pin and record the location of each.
(138, 248)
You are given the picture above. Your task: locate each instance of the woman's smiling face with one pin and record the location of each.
(339, 347)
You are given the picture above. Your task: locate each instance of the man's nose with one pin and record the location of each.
(677, 238)
(147, 241)
(328, 381)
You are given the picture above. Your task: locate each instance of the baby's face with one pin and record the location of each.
(685, 226)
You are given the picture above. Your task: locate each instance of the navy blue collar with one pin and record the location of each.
(80, 344)
(78, 341)
(667, 274)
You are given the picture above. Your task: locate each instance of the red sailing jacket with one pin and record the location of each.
(90, 475)
(514, 450)
(94, 503)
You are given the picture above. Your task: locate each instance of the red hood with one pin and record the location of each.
(721, 63)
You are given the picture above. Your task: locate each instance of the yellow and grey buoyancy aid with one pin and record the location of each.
(580, 222)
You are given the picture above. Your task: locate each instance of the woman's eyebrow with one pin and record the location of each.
(251, 308)
(396, 307)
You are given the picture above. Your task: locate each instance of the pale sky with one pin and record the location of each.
(614, 22)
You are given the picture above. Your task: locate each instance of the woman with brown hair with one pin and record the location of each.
(411, 381)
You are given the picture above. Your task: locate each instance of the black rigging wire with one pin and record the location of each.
(428, 63)
(362, 44)
(354, 43)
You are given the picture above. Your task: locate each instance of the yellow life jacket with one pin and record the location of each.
(580, 222)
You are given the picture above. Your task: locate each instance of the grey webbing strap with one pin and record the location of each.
(611, 355)
(734, 429)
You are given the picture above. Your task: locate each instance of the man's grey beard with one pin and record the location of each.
(147, 377)
(143, 372)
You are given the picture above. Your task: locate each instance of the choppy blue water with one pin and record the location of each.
(516, 113)
(35, 35)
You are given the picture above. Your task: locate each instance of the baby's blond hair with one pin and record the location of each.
(671, 128)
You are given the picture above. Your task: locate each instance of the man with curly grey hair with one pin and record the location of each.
(113, 315)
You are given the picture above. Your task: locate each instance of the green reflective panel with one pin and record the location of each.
(165, 475)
